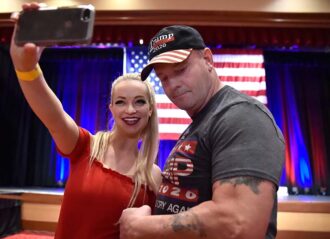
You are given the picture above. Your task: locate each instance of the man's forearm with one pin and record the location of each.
(166, 226)
(190, 224)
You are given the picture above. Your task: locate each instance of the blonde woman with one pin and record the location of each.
(108, 171)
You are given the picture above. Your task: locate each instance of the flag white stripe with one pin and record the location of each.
(239, 58)
(250, 86)
(162, 99)
(172, 128)
(250, 72)
(261, 98)
(174, 113)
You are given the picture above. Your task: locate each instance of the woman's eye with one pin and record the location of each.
(119, 102)
(141, 102)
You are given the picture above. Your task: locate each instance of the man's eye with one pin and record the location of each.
(180, 70)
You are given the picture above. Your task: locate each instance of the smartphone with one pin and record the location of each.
(56, 26)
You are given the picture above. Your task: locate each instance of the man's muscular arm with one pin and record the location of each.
(240, 208)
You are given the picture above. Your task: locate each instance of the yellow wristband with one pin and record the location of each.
(29, 75)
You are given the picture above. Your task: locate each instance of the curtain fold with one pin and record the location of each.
(81, 78)
(298, 89)
(23, 137)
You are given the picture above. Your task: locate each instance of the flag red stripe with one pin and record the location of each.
(254, 92)
(238, 65)
(174, 120)
(237, 51)
(243, 78)
(169, 136)
(166, 106)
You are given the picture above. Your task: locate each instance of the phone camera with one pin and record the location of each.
(86, 14)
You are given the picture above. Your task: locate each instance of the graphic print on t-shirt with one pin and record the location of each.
(179, 163)
(174, 194)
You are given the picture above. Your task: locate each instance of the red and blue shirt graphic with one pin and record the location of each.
(186, 179)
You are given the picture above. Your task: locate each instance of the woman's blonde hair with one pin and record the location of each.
(149, 142)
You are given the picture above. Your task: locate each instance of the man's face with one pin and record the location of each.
(186, 83)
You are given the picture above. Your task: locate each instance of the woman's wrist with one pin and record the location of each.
(29, 75)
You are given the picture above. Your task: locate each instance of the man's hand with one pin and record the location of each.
(128, 219)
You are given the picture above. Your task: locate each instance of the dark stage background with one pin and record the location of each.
(298, 91)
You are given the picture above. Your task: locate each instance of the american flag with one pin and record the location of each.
(241, 69)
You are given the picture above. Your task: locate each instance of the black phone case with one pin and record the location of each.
(60, 26)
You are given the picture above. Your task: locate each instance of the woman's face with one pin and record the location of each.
(130, 107)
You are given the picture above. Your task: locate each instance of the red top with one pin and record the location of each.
(94, 197)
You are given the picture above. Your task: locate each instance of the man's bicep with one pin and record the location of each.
(254, 185)
(250, 198)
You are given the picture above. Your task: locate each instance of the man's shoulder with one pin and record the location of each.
(228, 97)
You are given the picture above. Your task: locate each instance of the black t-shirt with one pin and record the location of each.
(234, 135)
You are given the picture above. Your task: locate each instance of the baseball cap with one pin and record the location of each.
(172, 44)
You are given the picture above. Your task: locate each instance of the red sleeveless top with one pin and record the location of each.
(94, 197)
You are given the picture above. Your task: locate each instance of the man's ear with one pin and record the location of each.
(208, 57)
